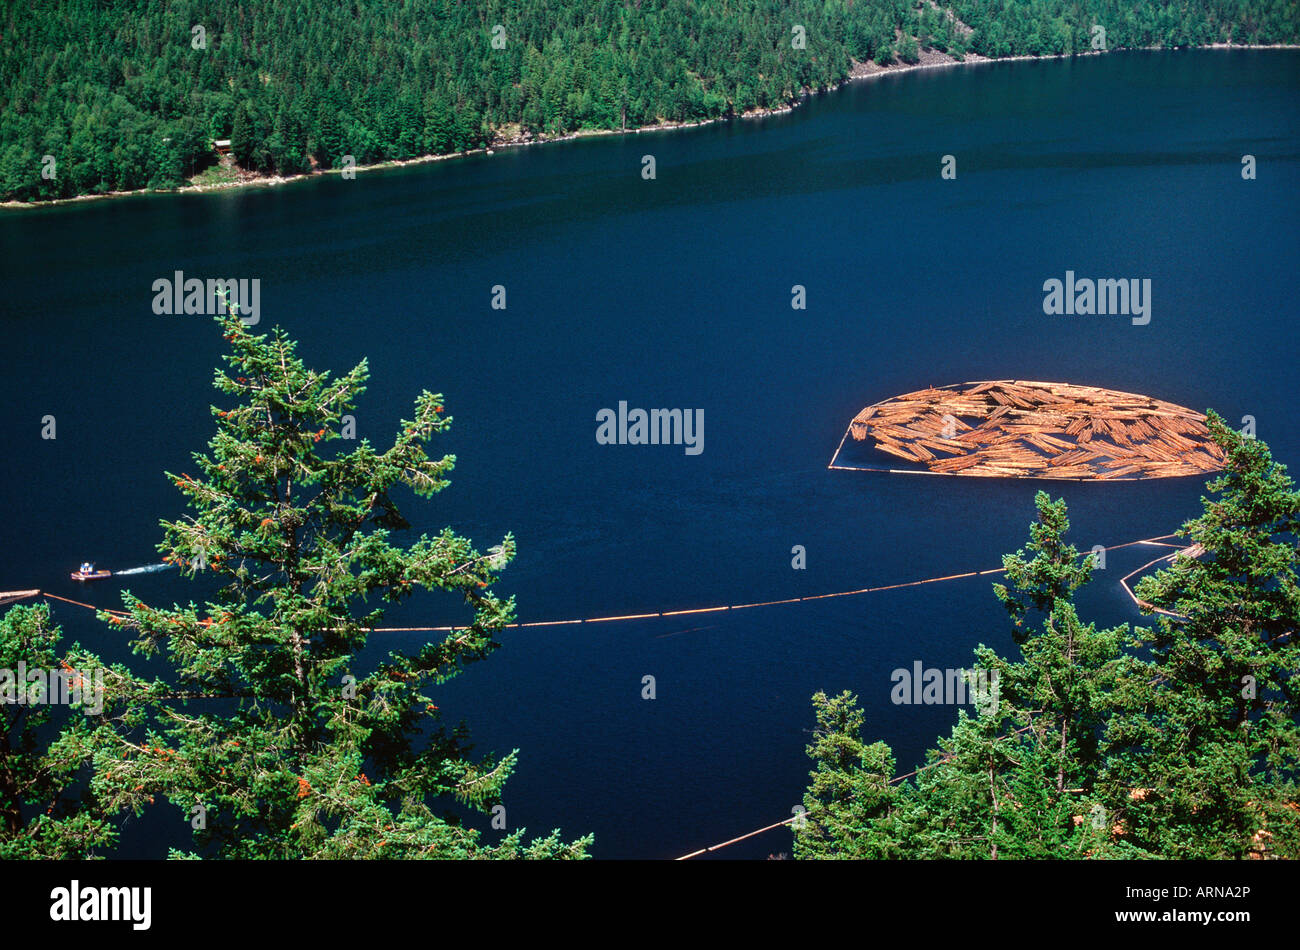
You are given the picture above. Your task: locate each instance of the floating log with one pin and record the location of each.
(1030, 429)
(8, 596)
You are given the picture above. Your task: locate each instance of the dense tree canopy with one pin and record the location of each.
(129, 94)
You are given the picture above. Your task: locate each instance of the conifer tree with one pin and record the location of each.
(241, 136)
(275, 737)
(45, 812)
(850, 788)
(1204, 749)
(1062, 681)
(1015, 779)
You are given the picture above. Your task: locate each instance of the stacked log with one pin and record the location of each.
(1029, 429)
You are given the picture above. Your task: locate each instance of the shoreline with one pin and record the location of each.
(860, 72)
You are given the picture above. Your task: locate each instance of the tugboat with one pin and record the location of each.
(87, 572)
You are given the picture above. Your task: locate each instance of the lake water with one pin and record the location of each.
(676, 293)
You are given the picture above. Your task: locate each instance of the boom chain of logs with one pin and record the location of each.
(1021, 429)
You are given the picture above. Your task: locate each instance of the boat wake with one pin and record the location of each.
(147, 569)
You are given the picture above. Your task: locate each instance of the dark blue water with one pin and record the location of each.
(676, 293)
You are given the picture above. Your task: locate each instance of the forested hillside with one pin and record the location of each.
(126, 94)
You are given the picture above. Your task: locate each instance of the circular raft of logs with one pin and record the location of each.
(1020, 429)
